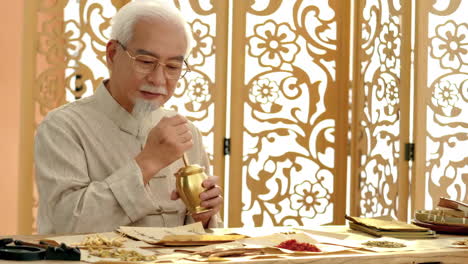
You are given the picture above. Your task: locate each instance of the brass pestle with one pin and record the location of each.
(189, 181)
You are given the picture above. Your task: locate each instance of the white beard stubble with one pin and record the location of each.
(142, 108)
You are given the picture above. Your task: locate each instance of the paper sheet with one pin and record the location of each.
(254, 231)
(323, 233)
(275, 239)
(153, 235)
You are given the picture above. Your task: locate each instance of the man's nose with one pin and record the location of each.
(157, 76)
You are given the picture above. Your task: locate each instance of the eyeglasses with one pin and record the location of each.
(146, 64)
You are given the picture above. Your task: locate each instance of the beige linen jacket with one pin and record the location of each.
(87, 178)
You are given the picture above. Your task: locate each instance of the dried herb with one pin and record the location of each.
(125, 255)
(384, 244)
(97, 240)
(292, 244)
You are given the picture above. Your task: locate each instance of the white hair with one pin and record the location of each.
(124, 21)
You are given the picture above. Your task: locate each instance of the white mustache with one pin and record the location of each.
(153, 89)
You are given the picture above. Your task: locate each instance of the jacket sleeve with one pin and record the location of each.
(69, 201)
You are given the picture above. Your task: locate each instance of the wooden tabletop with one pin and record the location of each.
(443, 254)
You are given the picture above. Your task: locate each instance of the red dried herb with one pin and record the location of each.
(292, 244)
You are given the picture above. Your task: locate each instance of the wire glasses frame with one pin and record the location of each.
(146, 64)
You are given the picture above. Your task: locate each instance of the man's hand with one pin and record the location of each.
(166, 143)
(211, 198)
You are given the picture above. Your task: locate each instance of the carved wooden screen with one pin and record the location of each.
(289, 99)
(441, 130)
(289, 90)
(67, 62)
(380, 183)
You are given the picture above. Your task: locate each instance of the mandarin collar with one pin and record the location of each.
(121, 117)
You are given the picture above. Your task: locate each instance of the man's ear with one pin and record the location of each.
(111, 51)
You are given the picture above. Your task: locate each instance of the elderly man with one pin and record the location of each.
(109, 159)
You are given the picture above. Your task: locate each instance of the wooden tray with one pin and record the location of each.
(440, 228)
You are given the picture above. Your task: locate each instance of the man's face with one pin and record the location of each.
(156, 40)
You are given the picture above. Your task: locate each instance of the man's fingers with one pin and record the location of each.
(202, 217)
(206, 215)
(211, 193)
(186, 146)
(181, 129)
(187, 136)
(213, 203)
(210, 182)
(175, 120)
(175, 195)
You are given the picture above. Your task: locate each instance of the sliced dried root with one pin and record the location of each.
(97, 240)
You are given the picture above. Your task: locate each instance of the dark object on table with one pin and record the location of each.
(445, 229)
(29, 251)
(19, 252)
(452, 204)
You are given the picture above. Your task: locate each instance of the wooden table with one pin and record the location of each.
(440, 255)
